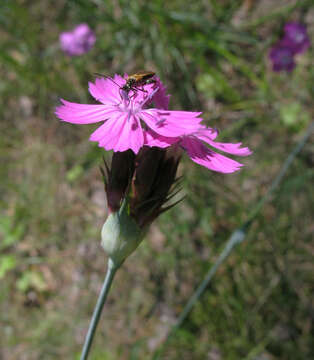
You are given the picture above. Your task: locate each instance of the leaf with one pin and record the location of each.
(10, 233)
(294, 116)
(31, 279)
(7, 263)
(74, 173)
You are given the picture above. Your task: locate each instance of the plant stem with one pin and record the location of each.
(111, 270)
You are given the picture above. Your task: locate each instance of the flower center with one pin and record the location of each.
(131, 105)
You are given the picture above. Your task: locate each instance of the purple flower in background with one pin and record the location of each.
(282, 57)
(78, 41)
(295, 41)
(296, 37)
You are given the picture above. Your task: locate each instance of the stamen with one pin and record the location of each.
(149, 97)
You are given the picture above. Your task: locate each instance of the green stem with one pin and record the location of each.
(111, 270)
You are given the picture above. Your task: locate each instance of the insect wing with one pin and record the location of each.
(142, 76)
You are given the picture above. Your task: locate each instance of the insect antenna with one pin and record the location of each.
(107, 77)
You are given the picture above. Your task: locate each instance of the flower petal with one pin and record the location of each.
(81, 31)
(204, 133)
(120, 133)
(160, 99)
(202, 155)
(109, 132)
(83, 114)
(171, 123)
(229, 148)
(153, 139)
(131, 136)
(107, 91)
(66, 40)
(104, 131)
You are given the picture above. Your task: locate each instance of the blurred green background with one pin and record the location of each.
(212, 55)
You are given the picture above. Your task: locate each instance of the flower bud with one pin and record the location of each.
(137, 188)
(120, 235)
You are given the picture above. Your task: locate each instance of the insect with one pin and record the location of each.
(138, 79)
(133, 82)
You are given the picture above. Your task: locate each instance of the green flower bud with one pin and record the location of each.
(120, 235)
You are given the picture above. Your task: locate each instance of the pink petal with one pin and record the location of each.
(106, 91)
(66, 39)
(104, 132)
(160, 99)
(206, 133)
(171, 123)
(81, 30)
(120, 133)
(83, 114)
(107, 135)
(229, 148)
(209, 134)
(153, 139)
(131, 136)
(202, 155)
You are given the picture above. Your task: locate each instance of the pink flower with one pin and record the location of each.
(194, 146)
(295, 41)
(79, 41)
(126, 116)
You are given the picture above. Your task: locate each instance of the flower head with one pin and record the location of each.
(296, 37)
(78, 41)
(129, 124)
(126, 116)
(282, 56)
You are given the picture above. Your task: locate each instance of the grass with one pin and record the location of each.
(213, 59)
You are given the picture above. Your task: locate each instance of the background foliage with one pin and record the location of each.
(212, 55)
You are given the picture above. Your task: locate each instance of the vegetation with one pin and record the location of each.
(213, 56)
